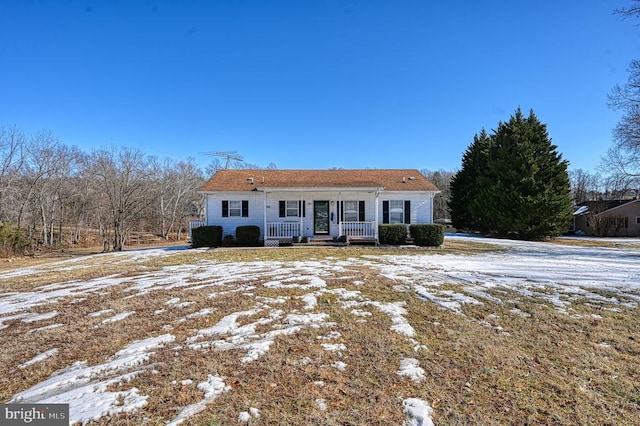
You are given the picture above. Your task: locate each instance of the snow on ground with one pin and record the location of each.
(563, 272)
(558, 274)
(85, 387)
(410, 367)
(39, 357)
(212, 388)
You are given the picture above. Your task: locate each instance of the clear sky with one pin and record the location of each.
(313, 84)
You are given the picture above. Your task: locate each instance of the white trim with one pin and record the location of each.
(339, 213)
(376, 215)
(316, 188)
(301, 209)
(264, 217)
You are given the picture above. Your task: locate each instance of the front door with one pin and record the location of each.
(321, 217)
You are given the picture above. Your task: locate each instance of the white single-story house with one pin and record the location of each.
(319, 204)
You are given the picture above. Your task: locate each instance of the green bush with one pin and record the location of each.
(12, 240)
(392, 233)
(248, 235)
(427, 235)
(206, 236)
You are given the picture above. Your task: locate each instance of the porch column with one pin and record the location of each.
(375, 218)
(300, 214)
(338, 211)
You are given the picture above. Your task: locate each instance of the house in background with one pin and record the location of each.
(318, 204)
(608, 218)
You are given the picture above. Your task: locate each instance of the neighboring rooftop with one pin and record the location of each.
(389, 179)
(599, 206)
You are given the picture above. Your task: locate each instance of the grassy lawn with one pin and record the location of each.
(313, 341)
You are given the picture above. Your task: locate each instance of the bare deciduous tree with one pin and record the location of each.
(123, 175)
(442, 180)
(177, 186)
(585, 186)
(12, 144)
(623, 157)
(54, 194)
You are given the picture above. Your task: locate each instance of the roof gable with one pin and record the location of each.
(603, 206)
(250, 179)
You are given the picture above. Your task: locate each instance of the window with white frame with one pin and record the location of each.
(351, 213)
(235, 208)
(396, 211)
(637, 220)
(292, 208)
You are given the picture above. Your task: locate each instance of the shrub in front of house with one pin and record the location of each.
(392, 234)
(206, 236)
(248, 235)
(427, 235)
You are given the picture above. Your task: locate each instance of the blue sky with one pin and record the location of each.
(313, 84)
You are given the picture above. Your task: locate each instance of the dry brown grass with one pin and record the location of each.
(486, 366)
(595, 242)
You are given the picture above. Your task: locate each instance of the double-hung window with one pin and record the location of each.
(291, 208)
(351, 211)
(396, 211)
(235, 208)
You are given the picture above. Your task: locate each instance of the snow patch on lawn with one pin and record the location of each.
(84, 387)
(213, 387)
(410, 367)
(419, 412)
(39, 358)
(118, 317)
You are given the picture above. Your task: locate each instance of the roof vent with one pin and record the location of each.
(412, 178)
(404, 179)
(250, 180)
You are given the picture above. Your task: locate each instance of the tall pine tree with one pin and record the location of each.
(513, 183)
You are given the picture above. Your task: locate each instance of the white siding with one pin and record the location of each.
(229, 224)
(421, 205)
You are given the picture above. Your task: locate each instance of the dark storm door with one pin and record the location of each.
(321, 217)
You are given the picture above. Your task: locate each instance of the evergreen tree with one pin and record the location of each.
(512, 183)
(462, 203)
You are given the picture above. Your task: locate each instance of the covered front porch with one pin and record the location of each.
(317, 215)
(295, 229)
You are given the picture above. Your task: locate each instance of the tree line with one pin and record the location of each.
(54, 195)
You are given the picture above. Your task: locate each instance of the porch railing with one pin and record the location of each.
(282, 229)
(194, 224)
(358, 229)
